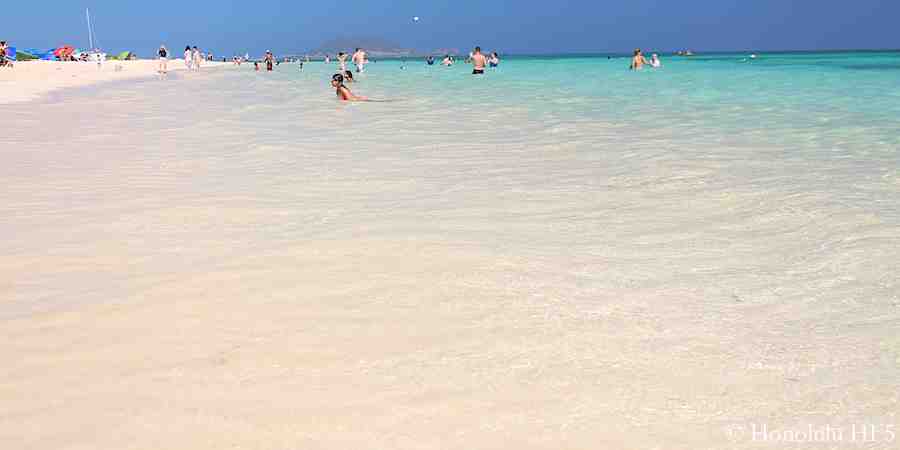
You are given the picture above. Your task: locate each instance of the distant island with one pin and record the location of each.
(375, 47)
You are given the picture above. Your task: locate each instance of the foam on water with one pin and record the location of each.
(560, 251)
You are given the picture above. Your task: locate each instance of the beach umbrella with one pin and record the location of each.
(64, 52)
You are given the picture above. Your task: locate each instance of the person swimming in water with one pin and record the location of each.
(655, 62)
(342, 92)
(638, 61)
(448, 61)
(348, 76)
(429, 60)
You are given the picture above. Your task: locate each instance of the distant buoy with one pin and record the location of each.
(416, 19)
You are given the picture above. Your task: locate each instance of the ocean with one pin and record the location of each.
(561, 253)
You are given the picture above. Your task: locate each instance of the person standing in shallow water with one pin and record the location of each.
(270, 61)
(188, 58)
(478, 62)
(638, 61)
(359, 58)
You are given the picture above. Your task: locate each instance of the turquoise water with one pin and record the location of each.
(842, 102)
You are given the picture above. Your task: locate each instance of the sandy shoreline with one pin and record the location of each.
(30, 80)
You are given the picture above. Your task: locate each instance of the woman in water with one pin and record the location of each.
(343, 93)
(655, 62)
(348, 76)
(494, 60)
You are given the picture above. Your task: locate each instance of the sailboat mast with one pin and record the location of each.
(90, 28)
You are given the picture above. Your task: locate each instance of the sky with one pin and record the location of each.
(522, 26)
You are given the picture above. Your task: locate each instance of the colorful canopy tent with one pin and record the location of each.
(125, 56)
(25, 56)
(64, 52)
(41, 54)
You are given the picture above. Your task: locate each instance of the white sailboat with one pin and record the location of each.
(94, 53)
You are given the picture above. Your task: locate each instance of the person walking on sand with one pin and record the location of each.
(478, 62)
(188, 58)
(359, 58)
(163, 54)
(198, 58)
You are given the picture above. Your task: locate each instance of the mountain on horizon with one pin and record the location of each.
(374, 46)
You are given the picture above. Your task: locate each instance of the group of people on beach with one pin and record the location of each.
(193, 58)
(4, 60)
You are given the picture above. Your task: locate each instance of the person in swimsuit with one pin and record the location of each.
(494, 60)
(655, 62)
(478, 62)
(195, 53)
(348, 76)
(342, 59)
(638, 61)
(343, 93)
(188, 58)
(359, 58)
(5, 60)
(429, 60)
(270, 61)
(448, 61)
(163, 54)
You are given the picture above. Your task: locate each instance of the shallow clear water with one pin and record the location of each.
(559, 251)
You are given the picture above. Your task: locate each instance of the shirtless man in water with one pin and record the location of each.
(478, 62)
(638, 61)
(359, 58)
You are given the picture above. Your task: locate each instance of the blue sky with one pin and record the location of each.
(523, 26)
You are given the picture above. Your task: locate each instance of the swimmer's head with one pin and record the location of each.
(337, 80)
(348, 75)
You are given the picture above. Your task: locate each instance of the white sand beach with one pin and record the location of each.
(29, 80)
(236, 260)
